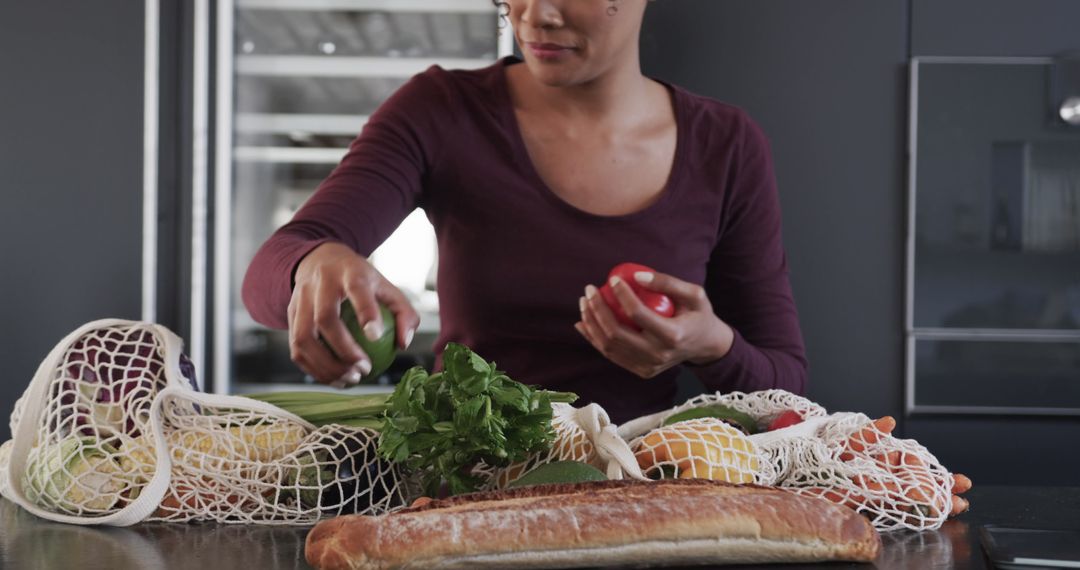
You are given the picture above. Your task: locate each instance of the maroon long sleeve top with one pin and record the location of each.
(514, 257)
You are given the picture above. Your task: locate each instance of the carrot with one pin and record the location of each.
(851, 501)
(890, 459)
(920, 494)
(959, 505)
(961, 483)
(869, 434)
(885, 424)
(875, 485)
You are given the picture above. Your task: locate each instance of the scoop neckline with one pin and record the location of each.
(671, 185)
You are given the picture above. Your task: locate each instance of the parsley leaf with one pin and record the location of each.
(444, 423)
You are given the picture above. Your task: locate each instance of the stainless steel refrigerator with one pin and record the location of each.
(288, 85)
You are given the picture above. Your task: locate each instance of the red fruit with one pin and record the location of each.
(786, 419)
(657, 302)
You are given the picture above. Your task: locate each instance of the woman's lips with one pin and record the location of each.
(548, 52)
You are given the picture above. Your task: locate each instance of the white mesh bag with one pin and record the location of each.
(847, 459)
(583, 434)
(112, 431)
(703, 448)
(843, 457)
(710, 448)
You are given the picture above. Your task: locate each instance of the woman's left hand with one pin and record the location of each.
(694, 334)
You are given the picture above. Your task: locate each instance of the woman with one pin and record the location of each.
(539, 176)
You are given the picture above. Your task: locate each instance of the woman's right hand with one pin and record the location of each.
(329, 274)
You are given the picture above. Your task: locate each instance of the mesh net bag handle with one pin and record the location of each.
(611, 448)
(28, 417)
(583, 434)
(34, 403)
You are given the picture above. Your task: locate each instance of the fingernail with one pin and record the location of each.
(643, 277)
(373, 330)
(581, 304)
(350, 378)
(615, 280)
(408, 337)
(590, 291)
(363, 368)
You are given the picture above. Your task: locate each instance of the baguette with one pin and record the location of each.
(607, 523)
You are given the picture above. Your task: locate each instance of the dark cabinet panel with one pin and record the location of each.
(826, 81)
(996, 450)
(979, 264)
(994, 27)
(71, 134)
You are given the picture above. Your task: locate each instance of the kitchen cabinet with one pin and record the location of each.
(71, 175)
(997, 29)
(994, 243)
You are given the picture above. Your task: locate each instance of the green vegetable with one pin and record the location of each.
(341, 476)
(560, 472)
(719, 411)
(442, 424)
(77, 474)
(325, 408)
(381, 351)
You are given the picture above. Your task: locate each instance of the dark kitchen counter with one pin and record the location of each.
(27, 542)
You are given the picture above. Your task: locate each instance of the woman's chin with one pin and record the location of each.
(555, 75)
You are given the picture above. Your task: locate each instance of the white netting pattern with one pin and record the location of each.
(845, 458)
(572, 443)
(120, 435)
(705, 448)
(112, 430)
(98, 396)
(764, 406)
(896, 483)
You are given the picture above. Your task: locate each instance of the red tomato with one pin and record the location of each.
(658, 302)
(626, 271)
(786, 419)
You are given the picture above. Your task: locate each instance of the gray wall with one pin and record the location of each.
(827, 80)
(71, 99)
(1036, 447)
(994, 27)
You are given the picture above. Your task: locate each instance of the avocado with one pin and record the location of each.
(560, 472)
(381, 351)
(719, 411)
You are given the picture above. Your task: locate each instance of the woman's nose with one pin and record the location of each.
(542, 14)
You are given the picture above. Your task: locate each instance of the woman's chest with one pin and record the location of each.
(599, 171)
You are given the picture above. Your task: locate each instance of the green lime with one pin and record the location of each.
(560, 472)
(381, 351)
(719, 411)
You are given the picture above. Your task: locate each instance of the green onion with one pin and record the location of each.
(325, 408)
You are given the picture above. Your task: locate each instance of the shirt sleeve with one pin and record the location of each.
(374, 187)
(747, 282)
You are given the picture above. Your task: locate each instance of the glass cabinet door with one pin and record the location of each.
(994, 244)
(305, 75)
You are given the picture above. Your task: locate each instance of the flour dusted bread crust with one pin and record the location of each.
(608, 523)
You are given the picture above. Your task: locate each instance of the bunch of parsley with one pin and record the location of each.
(442, 424)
